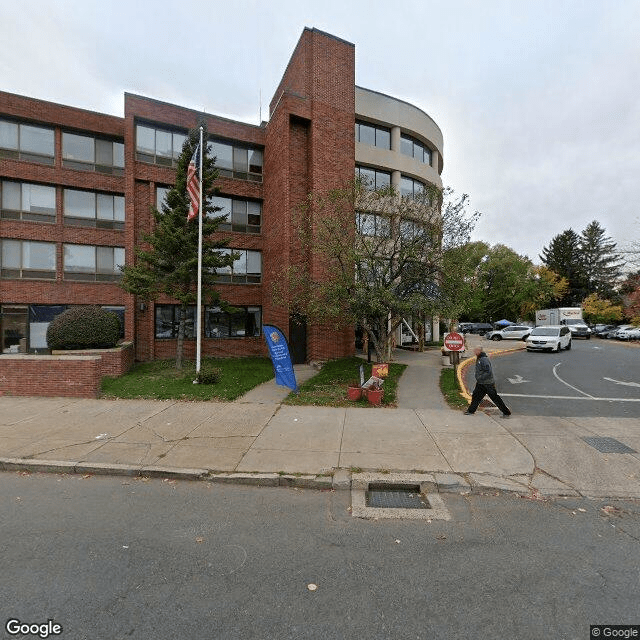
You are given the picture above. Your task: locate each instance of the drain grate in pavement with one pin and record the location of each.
(395, 496)
(608, 445)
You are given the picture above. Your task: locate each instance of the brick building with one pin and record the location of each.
(76, 189)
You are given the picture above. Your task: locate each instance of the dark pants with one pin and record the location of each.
(483, 390)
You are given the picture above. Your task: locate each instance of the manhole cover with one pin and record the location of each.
(396, 496)
(608, 445)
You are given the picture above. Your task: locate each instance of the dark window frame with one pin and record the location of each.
(95, 275)
(27, 273)
(238, 147)
(23, 214)
(27, 156)
(230, 317)
(93, 165)
(190, 322)
(94, 222)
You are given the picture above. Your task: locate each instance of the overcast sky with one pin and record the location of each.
(538, 101)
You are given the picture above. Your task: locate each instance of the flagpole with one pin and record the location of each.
(199, 306)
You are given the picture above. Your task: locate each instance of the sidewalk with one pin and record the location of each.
(244, 440)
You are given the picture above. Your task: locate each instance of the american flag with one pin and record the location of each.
(193, 184)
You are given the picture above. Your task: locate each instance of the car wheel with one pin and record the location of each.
(588, 337)
(496, 337)
(569, 345)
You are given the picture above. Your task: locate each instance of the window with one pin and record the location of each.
(411, 147)
(14, 322)
(244, 322)
(93, 264)
(27, 259)
(242, 215)
(373, 135)
(90, 209)
(373, 178)
(92, 154)
(410, 188)
(26, 142)
(158, 146)
(25, 201)
(234, 160)
(372, 224)
(168, 319)
(161, 194)
(246, 269)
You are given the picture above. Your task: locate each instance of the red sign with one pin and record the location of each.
(453, 342)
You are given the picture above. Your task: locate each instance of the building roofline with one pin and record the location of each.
(386, 95)
(60, 105)
(329, 35)
(137, 96)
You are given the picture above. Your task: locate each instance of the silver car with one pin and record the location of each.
(553, 338)
(512, 332)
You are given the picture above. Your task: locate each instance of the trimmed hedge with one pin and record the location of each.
(84, 328)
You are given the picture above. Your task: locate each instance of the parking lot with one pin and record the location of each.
(595, 378)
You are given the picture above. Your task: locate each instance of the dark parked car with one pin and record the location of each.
(480, 328)
(603, 330)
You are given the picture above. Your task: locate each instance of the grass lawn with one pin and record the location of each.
(329, 386)
(450, 389)
(159, 380)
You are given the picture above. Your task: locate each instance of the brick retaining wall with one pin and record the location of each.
(75, 374)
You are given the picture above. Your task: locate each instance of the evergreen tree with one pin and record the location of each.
(563, 257)
(167, 263)
(601, 265)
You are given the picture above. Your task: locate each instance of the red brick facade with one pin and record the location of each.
(307, 145)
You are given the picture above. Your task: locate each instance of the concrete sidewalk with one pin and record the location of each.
(259, 440)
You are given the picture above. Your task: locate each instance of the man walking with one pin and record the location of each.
(485, 385)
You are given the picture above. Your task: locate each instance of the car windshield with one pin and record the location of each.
(545, 331)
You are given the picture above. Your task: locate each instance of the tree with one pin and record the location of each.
(630, 293)
(563, 257)
(596, 309)
(601, 265)
(167, 263)
(385, 267)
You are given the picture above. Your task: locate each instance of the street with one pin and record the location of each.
(112, 557)
(595, 378)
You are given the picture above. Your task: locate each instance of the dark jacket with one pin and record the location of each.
(484, 371)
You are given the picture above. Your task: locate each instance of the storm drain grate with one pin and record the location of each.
(396, 496)
(608, 445)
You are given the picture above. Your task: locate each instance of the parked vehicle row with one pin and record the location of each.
(577, 329)
(622, 332)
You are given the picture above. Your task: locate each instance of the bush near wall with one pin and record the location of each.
(84, 328)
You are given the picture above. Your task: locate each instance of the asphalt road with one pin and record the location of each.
(595, 378)
(113, 558)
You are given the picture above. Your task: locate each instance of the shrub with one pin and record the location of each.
(84, 328)
(209, 375)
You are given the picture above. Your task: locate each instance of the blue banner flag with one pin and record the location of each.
(280, 357)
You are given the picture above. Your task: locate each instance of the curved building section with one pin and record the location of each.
(396, 136)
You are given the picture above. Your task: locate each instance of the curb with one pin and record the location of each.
(464, 391)
(339, 480)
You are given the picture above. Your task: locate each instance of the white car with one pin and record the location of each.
(512, 332)
(631, 333)
(552, 338)
(621, 332)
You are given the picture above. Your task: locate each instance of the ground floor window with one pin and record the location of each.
(168, 319)
(241, 322)
(244, 322)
